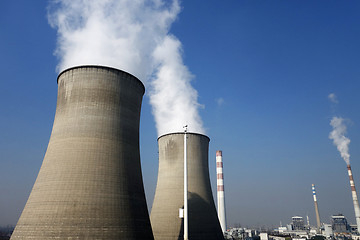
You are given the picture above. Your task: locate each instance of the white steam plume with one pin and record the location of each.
(131, 35)
(120, 34)
(174, 100)
(338, 136)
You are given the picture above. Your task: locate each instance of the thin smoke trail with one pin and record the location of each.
(131, 35)
(339, 139)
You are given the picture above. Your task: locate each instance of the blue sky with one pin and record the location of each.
(273, 64)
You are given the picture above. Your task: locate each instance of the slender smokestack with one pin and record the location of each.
(355, 199)
(220, 190)
(318, 223)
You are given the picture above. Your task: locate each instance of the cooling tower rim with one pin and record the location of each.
(182, 133)
(98, 66)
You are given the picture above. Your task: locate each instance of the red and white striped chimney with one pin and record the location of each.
(355, 199)
(220, 190)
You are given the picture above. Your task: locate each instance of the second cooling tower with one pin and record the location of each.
(203, 220)
(90, 184)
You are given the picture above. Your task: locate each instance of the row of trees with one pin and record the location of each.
(5, 232)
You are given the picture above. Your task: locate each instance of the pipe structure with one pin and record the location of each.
(203, 220)
(220, 191)
(355, 198)
(318, 223)
(90, 184)
(186, 211)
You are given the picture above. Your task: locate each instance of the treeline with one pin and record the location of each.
(5, 232)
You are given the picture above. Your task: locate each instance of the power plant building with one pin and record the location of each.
(297, 223)
(90, 183)
(203, 219)
(339, 224)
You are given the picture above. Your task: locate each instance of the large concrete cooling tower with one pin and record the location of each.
(90, 184)
(203, 220)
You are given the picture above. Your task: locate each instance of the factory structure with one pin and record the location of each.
(339, 228)
(297, 229)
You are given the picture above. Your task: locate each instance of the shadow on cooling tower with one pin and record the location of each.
(198, 206)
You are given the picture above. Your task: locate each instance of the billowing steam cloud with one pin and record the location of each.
(131, 35)
(172, 97)
(120, 34)
(338, 136)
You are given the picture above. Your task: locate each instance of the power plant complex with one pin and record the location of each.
(165, 220)
(90, 183)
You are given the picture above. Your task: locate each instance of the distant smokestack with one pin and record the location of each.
(169, 196)
(318, 223)
(220, 190)
(355, 199)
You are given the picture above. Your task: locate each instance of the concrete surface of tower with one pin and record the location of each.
(220, 190)
(90, 184)
(203, 220)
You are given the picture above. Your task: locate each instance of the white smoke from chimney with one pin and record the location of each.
(131, 35)
(339, 139)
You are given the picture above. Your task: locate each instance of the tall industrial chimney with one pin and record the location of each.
(354, 197)
(165, 221)
(90, 184)
(220, 190)
(318, 223)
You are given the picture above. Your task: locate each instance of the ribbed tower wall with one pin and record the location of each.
(90, 183)
(203, 220)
